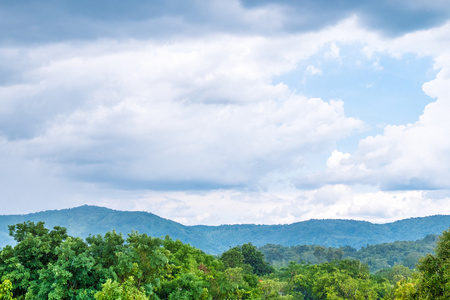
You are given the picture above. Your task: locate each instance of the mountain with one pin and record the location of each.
(84, 220)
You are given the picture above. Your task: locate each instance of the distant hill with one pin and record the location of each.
(84, 220)
(377, 257)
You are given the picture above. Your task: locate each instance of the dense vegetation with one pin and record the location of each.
(377, 257)
(85, 220)
(50, 264)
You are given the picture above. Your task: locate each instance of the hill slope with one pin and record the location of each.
(85, 220)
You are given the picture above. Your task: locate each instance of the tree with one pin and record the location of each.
(35, 249)
(187, 286)
(255, 259)
(112, 290)
(320, 254)
(344, 279)
(435, 271)
(6, 290)
(406, 289)
(104, 248)
(231, 284)
(70, 276)
(145, 259)
(232, 258)
(273, 290)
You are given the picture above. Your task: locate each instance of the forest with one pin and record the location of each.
(50, 264)
(377, 257)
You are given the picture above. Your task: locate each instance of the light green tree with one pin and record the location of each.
(272, 289)
(112, 290)
(6, 290)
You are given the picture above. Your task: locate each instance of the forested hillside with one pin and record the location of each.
(406, 253)
(85, 220)
(50, 264)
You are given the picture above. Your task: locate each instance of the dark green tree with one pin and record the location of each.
(232, 258)
(255, 258)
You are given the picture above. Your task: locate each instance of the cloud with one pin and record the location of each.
(390, 18)
(55, 21)
(313, 70)
(173, 108)
(328, 202)
(335, 159)
(412, 156)
(189, 114)
(334, 52)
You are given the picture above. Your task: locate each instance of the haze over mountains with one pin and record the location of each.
(85, 220)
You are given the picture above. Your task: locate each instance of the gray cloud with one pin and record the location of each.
(49, 21)
(389, 17)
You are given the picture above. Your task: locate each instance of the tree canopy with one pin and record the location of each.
(50, 264)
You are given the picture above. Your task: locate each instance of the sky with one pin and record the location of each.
(227, 111)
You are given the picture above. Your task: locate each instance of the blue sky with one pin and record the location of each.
(237, 111)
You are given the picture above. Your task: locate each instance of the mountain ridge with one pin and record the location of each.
(88, 219)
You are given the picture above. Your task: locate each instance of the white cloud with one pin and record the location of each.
(411, 156)
(145, 113)
(328, 202)
(335, 159)
(313, 70)
(334, 52)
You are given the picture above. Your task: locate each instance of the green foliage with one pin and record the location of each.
(232, 258)
(273, 289)
(104, 248)
(70, 276)
(395, 274)
(36, 248)
(112, 290)
(377, 257)
(345, 279)
(49, 264)
(406, 289)
(187, 286)
(144, 258)
(6, 290)
(189, 273)
(434, 282)
(246, 256)
(255, 258)
(232, 284)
